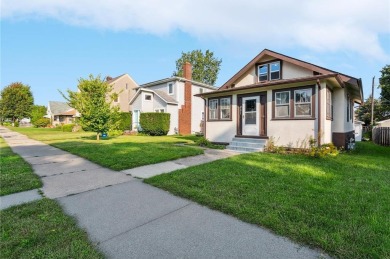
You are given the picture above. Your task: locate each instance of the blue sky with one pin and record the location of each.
(49, 45)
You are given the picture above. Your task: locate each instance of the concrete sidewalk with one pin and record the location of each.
(126, 218)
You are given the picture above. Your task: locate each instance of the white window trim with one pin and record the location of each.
(268, 65)
(263, 73)
(311, 104)
(270, 70)
(173, 89)
(284, 104)
(151, 97)
(216, 109)
(228, 108)
(159, 110)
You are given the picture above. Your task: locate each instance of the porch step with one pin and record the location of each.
(247, 145)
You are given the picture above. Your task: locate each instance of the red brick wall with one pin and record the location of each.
(185, 111)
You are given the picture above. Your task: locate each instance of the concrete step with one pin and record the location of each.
(249, 140)
(245, 149)
(247, 145)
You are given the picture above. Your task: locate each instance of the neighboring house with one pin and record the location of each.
(125, 87)
(61, 113)
(384, 123)
(285, 98)
(173, 95)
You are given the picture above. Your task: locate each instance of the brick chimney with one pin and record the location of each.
(185, 111)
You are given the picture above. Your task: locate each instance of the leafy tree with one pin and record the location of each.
(384, 84)
(205, 67)
(37, 112)
(363, 112)
(16, 101)
(93, 101)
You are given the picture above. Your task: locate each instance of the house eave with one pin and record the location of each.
(271, 83)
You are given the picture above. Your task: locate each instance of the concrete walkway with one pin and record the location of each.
(126, 218)
(10, 200)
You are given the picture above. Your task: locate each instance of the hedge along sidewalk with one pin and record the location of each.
(16, 174)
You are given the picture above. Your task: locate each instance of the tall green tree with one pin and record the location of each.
(93, 101)
(384, 84)
(16, 101)
(363, 112)
(205, 67)
(37, 112)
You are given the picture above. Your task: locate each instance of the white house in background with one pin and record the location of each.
(174, 95)
(285, 98)
(60, 113)
(124, 85)
(384, 123)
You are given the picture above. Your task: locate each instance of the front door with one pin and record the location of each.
(250, 116)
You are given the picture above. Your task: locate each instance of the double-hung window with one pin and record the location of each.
(294, 103)
(282, 104)
(224, 108)
(269, 71)
(303, 102)
(220, 108)
(213, 109)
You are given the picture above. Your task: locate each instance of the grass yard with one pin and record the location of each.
(341, 204)
(41, 230)
(16, 175)
(123, 152)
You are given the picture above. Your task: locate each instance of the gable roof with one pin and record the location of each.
(177, 78)
(298, 62)
(163, 96)
(112, 80)
(60, 108)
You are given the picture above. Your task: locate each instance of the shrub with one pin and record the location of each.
(155, 124)
(115, 133)
(324, 150)
(7, 123)
(204, 142)
(67, 127)
(41, 123)
(125, 121)
(16, 124)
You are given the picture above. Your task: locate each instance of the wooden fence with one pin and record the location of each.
(381, 136)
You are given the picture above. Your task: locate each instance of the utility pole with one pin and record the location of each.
(372, 102)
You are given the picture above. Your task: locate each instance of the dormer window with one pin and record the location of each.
(269, 71)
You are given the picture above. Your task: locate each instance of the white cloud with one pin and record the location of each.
(321, 25)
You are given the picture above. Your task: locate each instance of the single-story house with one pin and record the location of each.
(174, 95)
(278, 96)
(61, 113)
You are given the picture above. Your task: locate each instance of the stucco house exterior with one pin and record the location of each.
(125, 86)
(60, 113)
(278, 96)
(384, 123)
(174, 95)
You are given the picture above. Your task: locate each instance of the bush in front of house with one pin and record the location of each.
(124, 121)
(155, 123)
(68, 127)
(42, 123)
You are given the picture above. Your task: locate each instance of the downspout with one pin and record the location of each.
(319, 114)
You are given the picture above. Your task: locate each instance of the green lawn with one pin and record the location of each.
(16, 175)
(41, 230)
(341, 204)
(118, 153)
